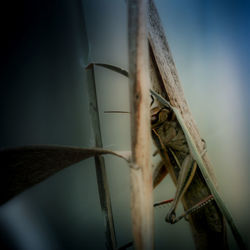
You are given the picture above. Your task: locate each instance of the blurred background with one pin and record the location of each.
(46, 46)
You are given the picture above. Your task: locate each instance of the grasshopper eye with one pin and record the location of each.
(154, 119)
(155, 114)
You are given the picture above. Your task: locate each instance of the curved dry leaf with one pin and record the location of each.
(110, 67)
(23, 167)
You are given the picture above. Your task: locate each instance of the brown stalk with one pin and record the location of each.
(141, 180)
(207, 225)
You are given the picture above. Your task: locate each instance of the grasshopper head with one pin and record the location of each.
(158, 116)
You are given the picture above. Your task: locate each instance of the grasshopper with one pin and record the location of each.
(185, 176)
(169, 137)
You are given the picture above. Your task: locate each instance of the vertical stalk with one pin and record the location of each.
(101, 175)
(207, 224)
(141, 180)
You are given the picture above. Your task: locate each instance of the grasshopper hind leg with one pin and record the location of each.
(185, 177)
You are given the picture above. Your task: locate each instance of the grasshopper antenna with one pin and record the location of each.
(152, 102)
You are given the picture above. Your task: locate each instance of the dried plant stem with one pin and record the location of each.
(101, 175)
(141, 180)
(207, 224)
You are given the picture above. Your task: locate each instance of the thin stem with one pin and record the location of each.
(101, 175)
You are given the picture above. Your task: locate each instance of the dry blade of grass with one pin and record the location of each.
(23, 167)
(110, 67)
(101, 176)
